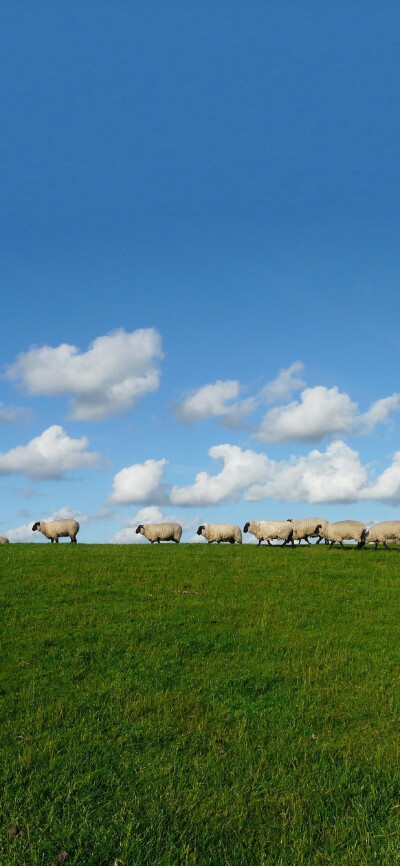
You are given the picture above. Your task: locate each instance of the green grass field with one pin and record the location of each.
(200, 705)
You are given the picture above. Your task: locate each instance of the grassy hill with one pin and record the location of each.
(199, 705)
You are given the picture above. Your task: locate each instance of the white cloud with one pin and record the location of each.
(240, 469)
(14, 415)
(322, 412)
(150, 514)
(215, 401)
(282, 388)
(23, 534)
(65, 513)
(378, 412)
(386, 488)
(107, 379)
(49, 455)
(335, 475)
(140, 483)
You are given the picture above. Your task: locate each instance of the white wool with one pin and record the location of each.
(221, 532)
(270, 530)
(161, 531)
(55, 529)
(345, 530)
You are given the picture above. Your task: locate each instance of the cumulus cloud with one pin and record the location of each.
(107, 379)
(334, 475)
(240, 469)
(322, 412)
(386, 488)
(319, 413)
(140, 483)
(23, 534)
(218, 400)
(285, 384)
(150, 514)
(49, 455)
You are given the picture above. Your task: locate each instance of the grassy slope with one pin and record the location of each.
(197, 705)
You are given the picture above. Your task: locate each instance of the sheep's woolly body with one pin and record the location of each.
(160, 532)
(220, 532)
(55, 529)
(388, 531)
(270, 530)
(4, 540)
(306, 527)
(345, 530)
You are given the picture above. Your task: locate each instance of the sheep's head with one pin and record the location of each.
(139, 529)
(246, 527)
(36, 525)
(200, 529)
(318, 528)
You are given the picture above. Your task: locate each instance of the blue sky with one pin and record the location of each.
(195, 198)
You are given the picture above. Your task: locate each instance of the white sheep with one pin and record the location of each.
(305, 527)
(344, 530)
(270, 530)
(55, 529)
(220, 532)
(4, 540)
(389, 530)
(160, 532)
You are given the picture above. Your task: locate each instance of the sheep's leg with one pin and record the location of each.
(331, 545)
(319, 540)
(306, 539)
(342, 545)
(385, 545)
(259, 542)
(269, 543)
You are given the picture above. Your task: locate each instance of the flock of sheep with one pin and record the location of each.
(287, 531)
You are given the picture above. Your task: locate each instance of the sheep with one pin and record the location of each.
(4, 540)
(384, 532)
(305, 527)
(220, 532)
(267, 530)
(55, 529)
(160, 532)
(343, 530)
